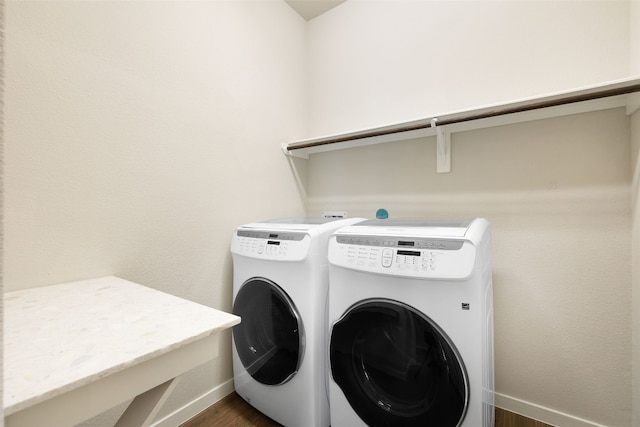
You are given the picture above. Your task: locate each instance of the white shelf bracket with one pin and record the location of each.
(289, 153)
(443, 147)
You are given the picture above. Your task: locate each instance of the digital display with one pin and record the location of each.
(272, 242)
(405, 243)
(410, 253)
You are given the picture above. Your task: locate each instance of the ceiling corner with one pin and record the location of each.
(310, 9)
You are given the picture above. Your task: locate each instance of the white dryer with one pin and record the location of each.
(280, 287)
(411, 324)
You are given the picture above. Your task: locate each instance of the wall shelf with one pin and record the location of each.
(614, 94)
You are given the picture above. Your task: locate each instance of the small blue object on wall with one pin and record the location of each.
(382, 214)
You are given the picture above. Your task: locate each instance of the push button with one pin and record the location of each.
(387, 257)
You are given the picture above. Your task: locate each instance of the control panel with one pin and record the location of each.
(399, 256)
(276, 245)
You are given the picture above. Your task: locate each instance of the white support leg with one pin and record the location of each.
(443, 150)
(144, 408)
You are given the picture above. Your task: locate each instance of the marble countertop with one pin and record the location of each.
(58, 338)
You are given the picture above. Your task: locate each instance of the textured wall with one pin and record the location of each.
(634, 65)
(557, 195)
(139, 135)
(375, 62)
(556, 191)
(635, 140)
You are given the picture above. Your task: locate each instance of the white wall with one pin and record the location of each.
(1, 209)
(124, 121)
(635, 139)
(1, 204)
(634, 62)
(556, 191)
(375, 62)
(138, 135)
(557, 195)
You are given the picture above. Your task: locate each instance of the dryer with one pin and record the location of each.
(280, 287)
(411, 324)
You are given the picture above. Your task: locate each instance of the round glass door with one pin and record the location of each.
(270, 338)
(396, 367)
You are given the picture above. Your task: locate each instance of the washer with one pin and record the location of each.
(280, 287)
(411, 324)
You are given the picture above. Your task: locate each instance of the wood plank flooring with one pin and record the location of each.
(233, 411)
(509, 419)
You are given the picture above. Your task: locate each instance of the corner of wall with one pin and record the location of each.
(1, 198)
(634, 69)
(635, 268)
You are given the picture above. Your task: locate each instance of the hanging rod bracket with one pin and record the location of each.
(285, 149)
(443, 147)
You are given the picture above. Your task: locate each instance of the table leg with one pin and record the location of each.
(143, 409)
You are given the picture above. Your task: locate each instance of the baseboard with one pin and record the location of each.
(511, 404)
(540, 413)
(196, 406)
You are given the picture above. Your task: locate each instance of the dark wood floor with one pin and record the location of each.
(233, 411)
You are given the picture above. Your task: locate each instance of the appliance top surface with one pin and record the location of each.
(384, 227)
(298, 224)
(304, 220)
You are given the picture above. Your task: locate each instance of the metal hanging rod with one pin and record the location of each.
(611, 89)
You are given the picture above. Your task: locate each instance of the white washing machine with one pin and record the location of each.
(411, 318)
(280, 287)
